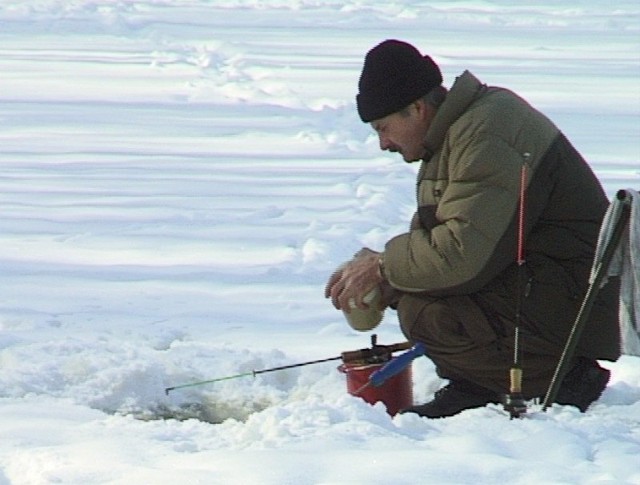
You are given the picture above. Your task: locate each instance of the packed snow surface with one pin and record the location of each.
(178, 178)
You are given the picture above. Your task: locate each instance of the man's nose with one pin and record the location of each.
(385, 144)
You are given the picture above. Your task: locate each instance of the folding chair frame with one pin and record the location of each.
(587, 304)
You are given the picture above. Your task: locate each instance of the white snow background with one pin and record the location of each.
(178, 178)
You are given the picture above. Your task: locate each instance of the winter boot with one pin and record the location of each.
(457, 396)
(583, 384)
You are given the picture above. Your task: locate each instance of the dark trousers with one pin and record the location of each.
(464, 344)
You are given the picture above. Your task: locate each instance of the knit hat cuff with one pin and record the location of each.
(391, 97)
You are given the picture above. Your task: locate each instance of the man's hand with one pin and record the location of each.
(354, 280)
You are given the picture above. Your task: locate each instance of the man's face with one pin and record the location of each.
(404, 132)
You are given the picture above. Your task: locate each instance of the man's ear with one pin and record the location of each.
(421, 107)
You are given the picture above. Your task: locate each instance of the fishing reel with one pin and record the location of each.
(376, 354)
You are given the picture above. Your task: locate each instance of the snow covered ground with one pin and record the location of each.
(178, 178)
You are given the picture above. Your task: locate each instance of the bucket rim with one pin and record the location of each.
(357, 367)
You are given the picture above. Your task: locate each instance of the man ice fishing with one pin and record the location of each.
(453, 277)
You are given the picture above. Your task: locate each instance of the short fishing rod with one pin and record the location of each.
(379, 353)
(251, 373)
(514, 402)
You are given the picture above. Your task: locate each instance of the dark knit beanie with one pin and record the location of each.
(394, 75)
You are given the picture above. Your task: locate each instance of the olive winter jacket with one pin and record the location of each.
(464, 236)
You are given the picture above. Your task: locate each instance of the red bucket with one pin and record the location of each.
(395, 393)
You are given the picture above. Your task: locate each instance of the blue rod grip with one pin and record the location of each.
(396, 365)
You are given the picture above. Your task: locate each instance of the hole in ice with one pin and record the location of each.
(209, 407)
(208, 411)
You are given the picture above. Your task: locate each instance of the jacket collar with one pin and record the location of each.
(465, 90)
